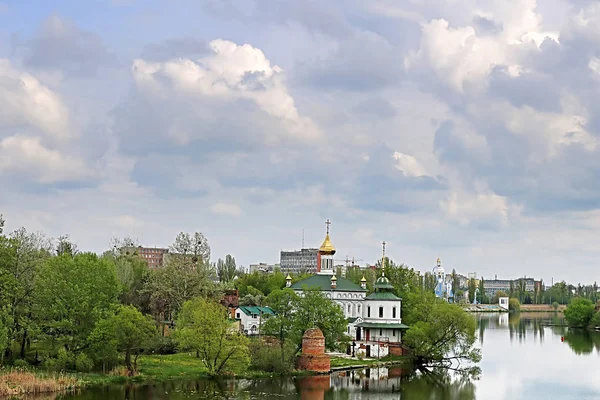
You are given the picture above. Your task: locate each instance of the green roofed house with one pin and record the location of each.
(251, 317)
(374, 320)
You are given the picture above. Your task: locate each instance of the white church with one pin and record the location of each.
(374, 320)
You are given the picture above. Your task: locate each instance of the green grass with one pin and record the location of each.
(345, 362)
(173, 366)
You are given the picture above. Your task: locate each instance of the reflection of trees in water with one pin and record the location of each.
(438, 384)
(582, 341)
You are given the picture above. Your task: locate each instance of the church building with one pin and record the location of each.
(374, 321)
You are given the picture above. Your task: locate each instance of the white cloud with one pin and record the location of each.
(229, 209)
(28, 156)
(409, 165)
(24, 100)
(479, 208)
(231, 72)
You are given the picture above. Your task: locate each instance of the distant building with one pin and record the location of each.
(262, 267)
(299, 261)
(251, 318)
(155, 256)
(496, 285)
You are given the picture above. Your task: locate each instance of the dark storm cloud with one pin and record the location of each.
(60, 45)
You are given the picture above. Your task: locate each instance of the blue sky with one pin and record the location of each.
(464, 129)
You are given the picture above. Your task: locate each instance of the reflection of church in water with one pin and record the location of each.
(368, 383)
(374, 320)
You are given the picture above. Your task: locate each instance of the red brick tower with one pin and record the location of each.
(313, 356)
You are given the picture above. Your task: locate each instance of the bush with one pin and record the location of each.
(595, 322)
(83, 363)
(580, 312)
(164, 345)
(265, 355)
(514, 304)
(20, 364)
(555, 305)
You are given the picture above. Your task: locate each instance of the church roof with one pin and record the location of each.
(323, 282)
(382, 296)
(382, 325)
(254, 310)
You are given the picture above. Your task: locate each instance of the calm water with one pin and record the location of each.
(523, 358)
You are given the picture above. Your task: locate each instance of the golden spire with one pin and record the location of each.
(327, 246)
(363, 279)
(439, 262)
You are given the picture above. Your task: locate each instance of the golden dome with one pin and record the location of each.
(288, 278)
(333, 278)
(363, 279)
(327, 247)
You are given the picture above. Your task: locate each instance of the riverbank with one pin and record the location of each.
(151, 368)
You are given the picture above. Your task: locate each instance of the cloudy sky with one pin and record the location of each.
(460, 129)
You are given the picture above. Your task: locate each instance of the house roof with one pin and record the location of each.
(382, 325)
(250, 310)
(383, 296)
(323, 282)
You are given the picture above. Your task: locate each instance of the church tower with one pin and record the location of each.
(325, 255)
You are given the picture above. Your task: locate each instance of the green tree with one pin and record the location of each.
(314, 309)
(22, 255)
(579, 312)
(133, 274)
(64, 245)
(514, 304)
(226, 270)
(281, 325)
(72, 294)
(127, 331)
(191, 248)
(203, 326)
(472, 287)
(497, 296)
(441, 333)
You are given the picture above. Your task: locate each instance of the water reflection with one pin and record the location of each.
(526, 356)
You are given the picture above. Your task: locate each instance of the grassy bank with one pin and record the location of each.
(20, 382)
(351, 362)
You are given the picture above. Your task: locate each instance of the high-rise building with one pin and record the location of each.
(299, 261)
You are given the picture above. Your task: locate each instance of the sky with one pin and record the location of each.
(460, 129)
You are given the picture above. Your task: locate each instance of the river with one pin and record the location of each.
(523, 358)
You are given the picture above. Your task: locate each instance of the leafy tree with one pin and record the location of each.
(514, 304)
(497, 296)
(281, 325)
(72, 294)
(1, 224)
(179, 281)
(313, 309)
(472, 287)
(580, 312)
(203, 326)
(264, 283)
(22, 255)
(555, 305)
(226, 270)
(196, 246)
(441, 333)
(133, 274)
(64, 245)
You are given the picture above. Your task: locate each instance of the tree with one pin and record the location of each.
(179, 281)
(313, 310)
(127, 331)
(441, 334)
(281, 325)
(484, 299)
(133, 274)
(72, 294)
(220, 347)
(514, 304)
(64, 245)
(580, 312)
(497, 296)
(1, 224)
(196, 246)
(472, 287)
(226, 270)
(555, 305)
(22, 254)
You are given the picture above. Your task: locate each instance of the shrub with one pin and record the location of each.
(580, 312)
(164, 345)
(20, 364)
(266, 356)
(514, 304)
(83, 363)
(555, 305)
(595, 322)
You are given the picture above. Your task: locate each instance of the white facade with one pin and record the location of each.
(251, 318)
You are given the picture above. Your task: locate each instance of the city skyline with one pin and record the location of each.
(464, 131)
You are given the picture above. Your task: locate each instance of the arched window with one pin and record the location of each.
(348, 308)
(359, 310)
(394, 312)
